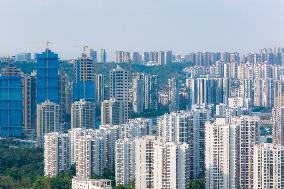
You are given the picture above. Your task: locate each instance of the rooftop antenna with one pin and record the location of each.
(85, 47)
(48, 44)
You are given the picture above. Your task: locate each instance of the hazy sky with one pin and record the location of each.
(181, 25)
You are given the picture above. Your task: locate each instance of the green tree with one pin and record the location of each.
(197, 184)
(73, 170)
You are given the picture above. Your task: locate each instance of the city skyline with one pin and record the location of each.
(159, 94)
(183, 26)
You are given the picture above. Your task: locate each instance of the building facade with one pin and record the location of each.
(11, 102)
(47, 120)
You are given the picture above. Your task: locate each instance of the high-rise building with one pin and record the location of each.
(47, 120)
(173, 94)
(124, 161)
(94, 55)
(217, 154)
(119, 56)
(119, 89)
(84, 79)
(278, 125)
(187, 127)
(263, 92)
(170, 165)
(161, 58)
(144, 162)
(136, 58)
(278, 93)
(175, 126)
(151, 92)
(146, 57)
(83, 114)
(138, 93)
(169, 57)
(126, 57)
(209, 90)
(23, 57)
(111, 112)
(103, 55)
(91, 156)
(268, 166)
(56, 154)
(230, 152)
(245, 136)
(47, 76)
(29, 93)
(65, 95)
(100, 92)
(122, 57)
(246, 90)
(161, 164)
(153, 57)
(11, 102)
(73, 135)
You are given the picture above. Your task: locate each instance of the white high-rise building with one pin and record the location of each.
(84, 163)
(91, 156)
(120, 88)
(56, 153)
(161, 164)
(47, 120)
(170, 165)
(278, 125)
(124, 161)
(188, 127)
(246, 90)
(217, 155)
(175, 126)
(230, 152)
(245, 136)
(144, 151)
(209, 90)
(83, 114)
(105, 137)
(74, 134)
(268, 166)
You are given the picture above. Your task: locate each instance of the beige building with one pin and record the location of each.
(111, 112)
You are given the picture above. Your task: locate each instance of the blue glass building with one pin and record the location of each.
(11, 105)
(47, 76)
(84, 79)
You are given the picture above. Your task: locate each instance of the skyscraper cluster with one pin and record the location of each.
(219, 118)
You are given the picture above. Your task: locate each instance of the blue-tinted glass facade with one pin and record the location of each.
(84, 90)
(11, 110)
(47, 76)
(84, 80)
